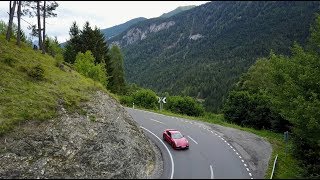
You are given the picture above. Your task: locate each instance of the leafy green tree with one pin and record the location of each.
(287, 86)
(184, 105)
(145, 98)
(85, 65)
(116, 71)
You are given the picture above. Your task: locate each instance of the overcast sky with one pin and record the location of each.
(102, 14)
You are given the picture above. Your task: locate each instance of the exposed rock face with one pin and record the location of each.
(195, 37)
(137, 34)
(105, 143)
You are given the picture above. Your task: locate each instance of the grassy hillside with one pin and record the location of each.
(27, 94)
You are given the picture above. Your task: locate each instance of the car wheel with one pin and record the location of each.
(173, 146)
(164, 138)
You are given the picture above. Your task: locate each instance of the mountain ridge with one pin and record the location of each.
(203, 51)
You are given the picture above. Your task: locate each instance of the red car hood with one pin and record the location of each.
(181, 142)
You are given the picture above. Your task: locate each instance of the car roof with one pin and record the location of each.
(173, 130)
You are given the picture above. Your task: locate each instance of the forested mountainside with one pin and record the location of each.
(203, 51)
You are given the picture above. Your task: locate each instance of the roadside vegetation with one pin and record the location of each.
(32, 85)
(278, 94)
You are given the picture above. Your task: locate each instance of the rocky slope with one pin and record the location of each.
(101, 142)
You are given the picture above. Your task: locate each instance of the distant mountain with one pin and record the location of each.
(203, 51)
(115, 30)
(176, 11)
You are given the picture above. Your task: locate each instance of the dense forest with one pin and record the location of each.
(207, 49)
(282, 93)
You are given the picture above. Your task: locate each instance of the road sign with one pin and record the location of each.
(164, 100)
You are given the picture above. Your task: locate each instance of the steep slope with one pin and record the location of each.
(203, 51)
(54, 123)
(176, 11)
(115, 30)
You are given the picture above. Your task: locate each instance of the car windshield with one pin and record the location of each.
(176, 135)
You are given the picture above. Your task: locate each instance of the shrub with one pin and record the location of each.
(36, 72)
(84, 64)
(126, 100)
(145, 98)
(9, 60)
(184, 105)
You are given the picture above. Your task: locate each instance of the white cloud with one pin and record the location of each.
(102, 14)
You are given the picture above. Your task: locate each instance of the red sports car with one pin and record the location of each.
(175, 139)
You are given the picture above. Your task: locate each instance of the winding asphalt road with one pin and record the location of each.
(208, 157)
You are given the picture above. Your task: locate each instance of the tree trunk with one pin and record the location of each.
(11, 14)
(39, 25)
(19, 27)
(44, 27)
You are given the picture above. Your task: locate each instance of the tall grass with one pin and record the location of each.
(24, 95)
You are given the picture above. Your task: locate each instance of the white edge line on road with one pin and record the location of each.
(247, 169)
(193, 140)
(242, 160)
(172, 163)
(211, 170)
(245, 165)
(250, 174)
(156, 121)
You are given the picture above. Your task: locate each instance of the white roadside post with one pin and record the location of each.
(132, 105)
(161, 100)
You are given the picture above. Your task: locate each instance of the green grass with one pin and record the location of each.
(287, 166)
(25, 97)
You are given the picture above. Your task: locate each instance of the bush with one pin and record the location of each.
(84, 64)
(9, 60)
(253, 110)
(126, 100)
(145, 98)
(184, 105)
(36, 72)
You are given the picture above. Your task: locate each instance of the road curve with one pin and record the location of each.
(208, 157)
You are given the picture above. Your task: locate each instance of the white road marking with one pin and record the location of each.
(234, 150)
(247, 169)
(237, 153)
(250, 175)
(215, 134)
(193, 140)
(228, 144)
(172, 163)
(240, 157)
(242, 160)
(156, 121)
(225, 141)
(219, 136)
(245, 165)
(211, 170)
